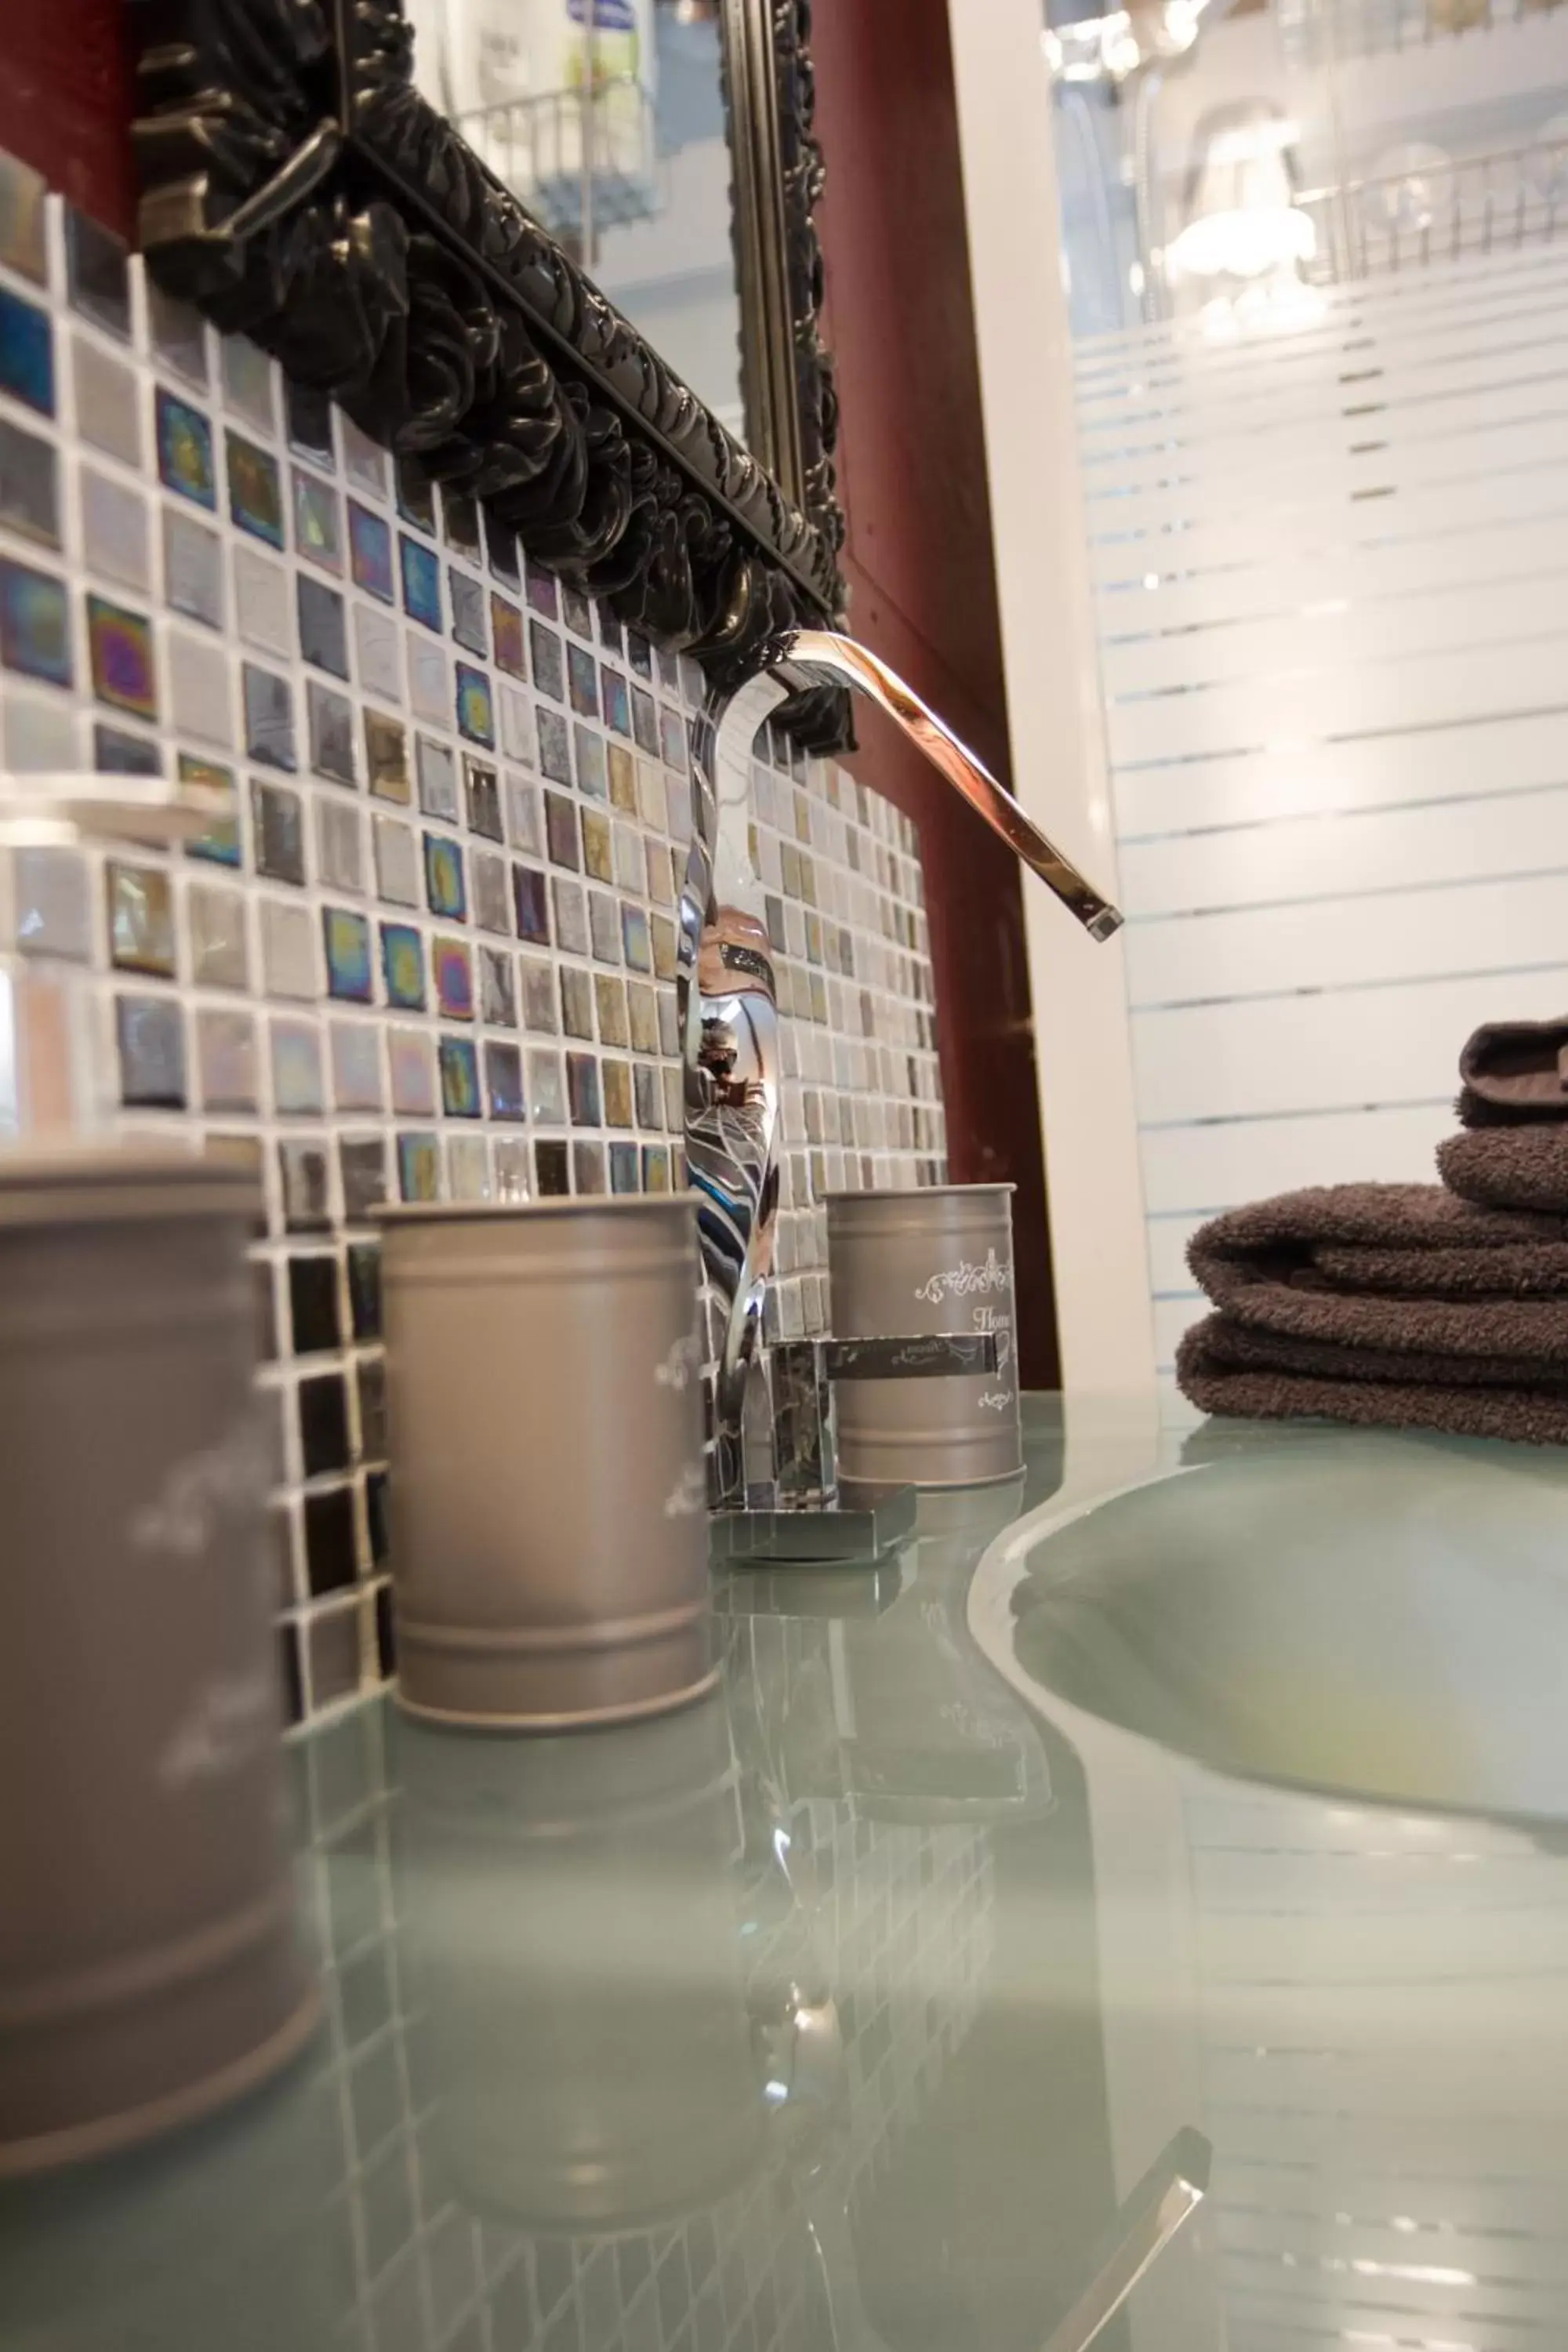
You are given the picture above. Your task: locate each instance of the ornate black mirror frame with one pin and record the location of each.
(298, 189)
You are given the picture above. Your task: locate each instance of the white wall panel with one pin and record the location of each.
(1255, 1058)
(1336, 855)
(1344, 631)
(1516, 754)
(1307, 583)
(1485, 490)
(1332, 578)
(1351, 943)
(1195, 1167)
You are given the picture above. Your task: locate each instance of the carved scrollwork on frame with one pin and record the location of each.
(298, 189)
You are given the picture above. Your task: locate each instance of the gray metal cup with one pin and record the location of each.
(150, 1967)
(550, 1538)
(938, 1259)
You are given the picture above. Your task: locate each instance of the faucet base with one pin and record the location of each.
(866, 1525)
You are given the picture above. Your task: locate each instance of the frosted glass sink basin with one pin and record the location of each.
(1381, 1618)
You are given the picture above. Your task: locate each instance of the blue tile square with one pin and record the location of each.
(370, 552)
(554, 747)
(421, 582)
(504, 1076)
(634, 938)
(402, 966)
(444, 885)
(27, 352)
(418, 1167)
(347, 939)
(184, 449)
(531, 898)
(583, 673)
(34, 624)
(476, 711)
(255, 490)
(617, 703)
(460, 1078)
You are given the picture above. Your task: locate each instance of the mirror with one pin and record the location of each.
(647, 140)
(656, 426)
(607, 121)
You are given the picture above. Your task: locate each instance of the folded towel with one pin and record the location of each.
(1400, 1267)
(1514, 1072)
(1509, 1167)
(1399, 1306)
(1215, 1373)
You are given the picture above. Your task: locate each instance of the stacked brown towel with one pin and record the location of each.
(1513, 1073)
(1409, 1305)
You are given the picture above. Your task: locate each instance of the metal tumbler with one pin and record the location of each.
(150, 1967)
(937, 1259)
(550, 1539)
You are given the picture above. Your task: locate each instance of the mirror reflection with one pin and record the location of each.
(607, 121)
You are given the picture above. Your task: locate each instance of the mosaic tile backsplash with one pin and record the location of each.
(431, 953)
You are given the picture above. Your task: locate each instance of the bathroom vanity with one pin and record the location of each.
(1215, 1781)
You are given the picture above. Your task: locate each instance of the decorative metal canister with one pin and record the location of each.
(550, 1539)
(938, 1259)
(150, 1967)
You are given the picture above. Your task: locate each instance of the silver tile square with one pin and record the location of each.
(364, 460)
(215, 921)
(570, 915)
(429, 678)
(497, 987)
(512, 1168)
(192, 568)
(356, 1065)
(468, 1168)
(605, 927)
(546, 1088)
(340, 845)
(248, 388)
(261, 601)
(201, 690)
(108, 401)
(491, 894)
(298, 1083)
(288, 949)
(411, 1060)
(330, 717)
(524, 824)
(225, 1060)
(539, 996)
(40, 737)
(51, 893)
(517, 737)
(378, 653)
(436, 765)
(114, 536)
(396, 862)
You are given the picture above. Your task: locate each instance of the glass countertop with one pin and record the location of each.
(1211, 1781)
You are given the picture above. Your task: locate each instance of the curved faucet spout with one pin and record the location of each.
(727, 999)
(822, 655)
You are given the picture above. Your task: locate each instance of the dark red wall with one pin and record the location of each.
(922, 590)
(66, 100)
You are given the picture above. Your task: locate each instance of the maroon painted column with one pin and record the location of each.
(911, 472)
(66, 100)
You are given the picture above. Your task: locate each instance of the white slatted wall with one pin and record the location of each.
(1331, 575)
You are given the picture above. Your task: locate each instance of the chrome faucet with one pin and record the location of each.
(729, 1027)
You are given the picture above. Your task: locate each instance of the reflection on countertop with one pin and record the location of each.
(841, 2011)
